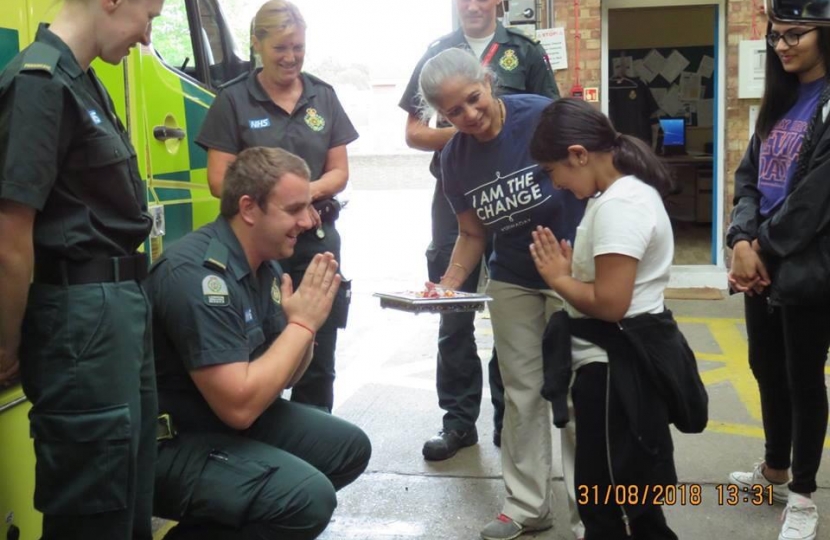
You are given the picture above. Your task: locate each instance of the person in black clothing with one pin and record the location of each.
(781, 261)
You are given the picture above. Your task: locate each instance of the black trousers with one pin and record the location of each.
(458, 374)
(787, 353)
(275, 480)
(604, 521)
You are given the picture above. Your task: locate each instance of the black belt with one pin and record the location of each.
(113, 269)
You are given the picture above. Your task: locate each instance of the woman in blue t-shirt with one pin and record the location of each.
(494, 186)
(781, 261)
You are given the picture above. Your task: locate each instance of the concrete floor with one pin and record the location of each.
(385, 384)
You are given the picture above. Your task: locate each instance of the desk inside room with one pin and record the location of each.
(691, 198)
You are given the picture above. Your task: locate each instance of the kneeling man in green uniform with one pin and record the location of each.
(235, 460)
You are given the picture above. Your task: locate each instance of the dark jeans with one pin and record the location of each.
(316, 386)
(787, 352)
(591, 474)
(458, 374)
(275, 480)
(86, 361)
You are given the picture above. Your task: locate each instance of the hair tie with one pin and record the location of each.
(618, 139)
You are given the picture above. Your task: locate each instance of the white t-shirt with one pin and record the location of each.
(629, 218)
(479, 44)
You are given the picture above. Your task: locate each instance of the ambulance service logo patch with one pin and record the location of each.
(276, 295)
(215, 291)
(509, 61)
(314, 120)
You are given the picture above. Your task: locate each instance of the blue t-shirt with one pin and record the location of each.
(508, 191)
(779, 151)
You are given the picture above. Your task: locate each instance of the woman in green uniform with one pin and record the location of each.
(281, 106)
(72, 214)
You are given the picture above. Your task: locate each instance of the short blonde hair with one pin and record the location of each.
(276, 16)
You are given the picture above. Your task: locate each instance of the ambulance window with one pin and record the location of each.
(211, 33)
(171, 38)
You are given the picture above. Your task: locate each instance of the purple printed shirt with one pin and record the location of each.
(779, 151)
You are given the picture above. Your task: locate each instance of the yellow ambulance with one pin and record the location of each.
(162, 94)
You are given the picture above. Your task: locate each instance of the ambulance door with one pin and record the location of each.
(14, 30)
(175, 80)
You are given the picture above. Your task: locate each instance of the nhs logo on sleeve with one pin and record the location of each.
(259, 124)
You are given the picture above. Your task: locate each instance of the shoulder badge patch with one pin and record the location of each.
(509, 61)
(276, 295)
(215, 291)
(314, 120)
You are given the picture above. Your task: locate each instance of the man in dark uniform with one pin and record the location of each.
(521, 67)
(235, 459)
(72, 214)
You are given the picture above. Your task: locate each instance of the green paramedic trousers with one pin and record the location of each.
(276, 479)
(86, 361)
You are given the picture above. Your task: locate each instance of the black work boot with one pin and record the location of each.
(448, 442)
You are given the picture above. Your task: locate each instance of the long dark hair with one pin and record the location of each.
(570, 121)
(781, 88)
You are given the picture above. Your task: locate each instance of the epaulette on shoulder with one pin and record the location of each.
(40, 57)
(521, 34)
(216, 256)
(317, 80)
(441, 40)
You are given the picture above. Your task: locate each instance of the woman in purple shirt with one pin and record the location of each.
(781, 262)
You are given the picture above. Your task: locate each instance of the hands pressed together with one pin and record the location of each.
(552, 258)
(311, 303)
(748, 273)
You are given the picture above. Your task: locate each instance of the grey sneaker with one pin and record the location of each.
(501, 528)
(780, 492)
(800, 519)
(504, 528)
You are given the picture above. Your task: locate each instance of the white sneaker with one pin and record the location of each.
(780, 492)
(800, 519)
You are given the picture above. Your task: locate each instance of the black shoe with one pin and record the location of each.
(447, 443)
(497, 438)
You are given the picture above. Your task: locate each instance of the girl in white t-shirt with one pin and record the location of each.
(618, 268)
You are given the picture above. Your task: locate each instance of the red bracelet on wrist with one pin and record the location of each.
(301, 325)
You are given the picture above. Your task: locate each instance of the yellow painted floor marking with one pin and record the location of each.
(734, 370)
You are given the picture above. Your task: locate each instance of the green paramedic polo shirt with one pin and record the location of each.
(208, 309)
(65, 153)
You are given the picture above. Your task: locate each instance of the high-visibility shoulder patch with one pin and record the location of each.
(215, 291)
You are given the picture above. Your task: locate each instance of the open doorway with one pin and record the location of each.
(661, 85)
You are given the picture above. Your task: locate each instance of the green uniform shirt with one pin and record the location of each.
(65, 153)
(243, 116)
(521, 67)
(208, 309)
